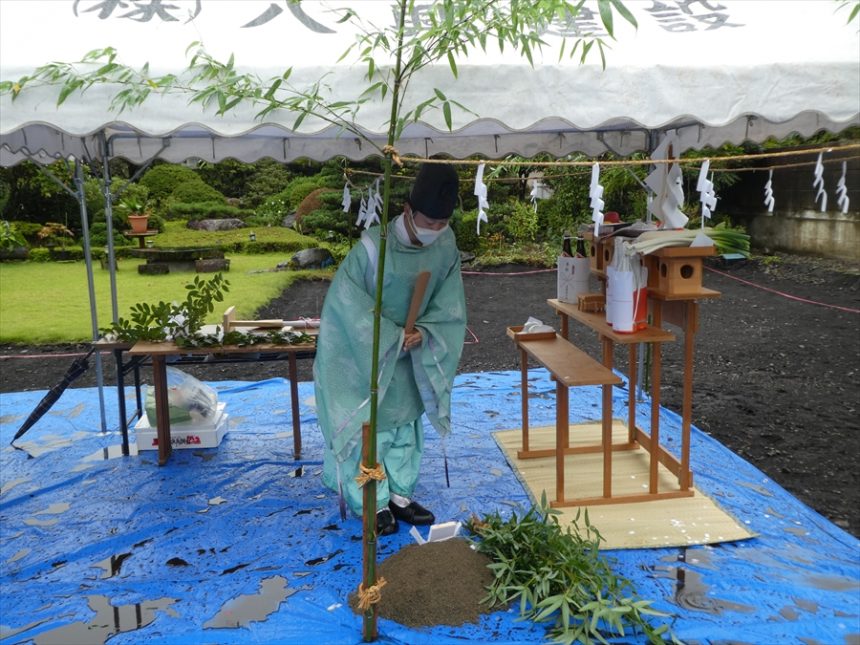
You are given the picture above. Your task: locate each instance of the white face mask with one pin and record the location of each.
(428, 235)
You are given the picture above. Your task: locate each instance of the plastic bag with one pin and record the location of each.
(189, 400)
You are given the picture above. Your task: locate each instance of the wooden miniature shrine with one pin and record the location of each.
(674, 287)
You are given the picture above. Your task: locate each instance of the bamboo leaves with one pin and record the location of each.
(559, 576)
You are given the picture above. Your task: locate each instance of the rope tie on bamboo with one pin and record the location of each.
(391, 151)
(371, 595)
(376, 473)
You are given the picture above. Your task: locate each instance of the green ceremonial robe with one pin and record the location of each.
(410, 383)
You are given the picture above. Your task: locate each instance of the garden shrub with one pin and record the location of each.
(99, 238)
(270, 179)
(66, 253)
(39, 254)
(5, 192)
(206, 210)
(10, 237)
(195, 192)
(324, 222)
(54, 234)
(497, 214)
(229, 177)
(274, 209)
(301, 187)
(28, 230)
(309, 204)
(522, 224)
(465, 229)
(163, 179)
(33, 196)
(271, 246)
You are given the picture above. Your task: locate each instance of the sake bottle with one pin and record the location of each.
(566, 249)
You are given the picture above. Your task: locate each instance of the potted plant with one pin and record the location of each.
(136, 212)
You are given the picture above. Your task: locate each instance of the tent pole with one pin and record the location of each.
(109, 226)
(88, 260)
(78, 194)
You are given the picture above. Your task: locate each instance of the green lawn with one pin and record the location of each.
(48, 302)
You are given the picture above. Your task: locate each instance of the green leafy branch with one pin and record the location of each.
(247, 339)
(559, 575)
(170, 321)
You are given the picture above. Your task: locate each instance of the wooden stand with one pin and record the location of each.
(569, 367)
(141, 237)
(674, 287)
(636, 437)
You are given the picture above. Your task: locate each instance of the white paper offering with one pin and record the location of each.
(438, 532)
(572, 278)
(626, 290)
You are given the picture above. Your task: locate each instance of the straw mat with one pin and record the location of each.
(662, 523)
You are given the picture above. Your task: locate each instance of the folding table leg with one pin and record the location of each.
(562, 438)
(294, 399)
(162, 408)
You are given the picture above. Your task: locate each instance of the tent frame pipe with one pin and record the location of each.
(78, 195)
(88, 260)
(108, 199)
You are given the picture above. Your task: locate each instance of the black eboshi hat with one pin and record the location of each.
(435, 191)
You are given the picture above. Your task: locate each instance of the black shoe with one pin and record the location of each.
(385, 523)
(414, 513)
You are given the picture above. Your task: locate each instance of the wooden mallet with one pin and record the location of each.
(417, 298)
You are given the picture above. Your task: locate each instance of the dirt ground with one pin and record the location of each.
(419, 589)
(777, 363)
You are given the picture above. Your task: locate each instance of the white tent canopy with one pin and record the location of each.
(712, 72)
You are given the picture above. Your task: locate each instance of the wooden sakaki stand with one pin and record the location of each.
(674, 286)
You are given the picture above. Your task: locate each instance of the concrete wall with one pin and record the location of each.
(829, 234)
(797, 224)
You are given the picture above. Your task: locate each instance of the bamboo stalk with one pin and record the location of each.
(369, 547)
(369, 439)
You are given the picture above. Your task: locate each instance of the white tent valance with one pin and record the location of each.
(713, 72)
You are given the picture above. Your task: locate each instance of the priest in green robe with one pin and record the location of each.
(416, 370)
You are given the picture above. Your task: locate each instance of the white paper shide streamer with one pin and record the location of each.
(362, 211)
(768, 192)
(374, 204)
(368, 210)
(481, 193)
(818, 183)
(539, 191)
(666, 183)
(842, 190)
(595, 191)
(346, 201)
(705, 187)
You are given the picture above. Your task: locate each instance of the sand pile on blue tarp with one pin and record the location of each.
(241, 544)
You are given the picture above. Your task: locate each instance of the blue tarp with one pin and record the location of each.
(97, 546)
